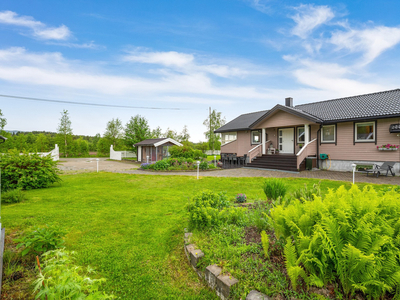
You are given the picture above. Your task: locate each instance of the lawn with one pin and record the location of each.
(130, 227)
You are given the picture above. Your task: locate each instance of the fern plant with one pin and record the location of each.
(265, 243)
(351, 236)
(293, 269)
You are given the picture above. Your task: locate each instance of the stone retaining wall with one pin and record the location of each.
(218, 282)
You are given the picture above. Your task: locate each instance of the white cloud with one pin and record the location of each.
(259, 5)
(19, 66)
(184, 63)
(372, 42)
(168, 59)
(90, 45)
(310, 17)
(39, 29)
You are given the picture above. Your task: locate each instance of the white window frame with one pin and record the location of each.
(334, 134)
(252, 138)
(298, 135)
(373, 133)
(229, 134)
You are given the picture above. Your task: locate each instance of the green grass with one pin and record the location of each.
(130, 227)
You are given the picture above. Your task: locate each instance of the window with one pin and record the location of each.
(255, 137)
(328, 134)
(300, 135)
(365, 132)
(228, 137)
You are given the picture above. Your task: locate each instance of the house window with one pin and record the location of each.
(227, 137)
(300, 135)
(365, 132)
(328, 134)
(256, 137)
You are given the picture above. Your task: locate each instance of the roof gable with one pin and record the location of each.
(242, 122)
(157, 142)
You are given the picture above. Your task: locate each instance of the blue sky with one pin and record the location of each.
(235, 56)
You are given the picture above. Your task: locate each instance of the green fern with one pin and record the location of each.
(265, 243)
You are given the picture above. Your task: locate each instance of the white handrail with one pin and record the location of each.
(254, 148)
(305, 146)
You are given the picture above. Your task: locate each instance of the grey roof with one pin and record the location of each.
(384, 104)
(368, 106)
(149, 142)
(243, 122)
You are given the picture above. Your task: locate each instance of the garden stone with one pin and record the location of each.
(256, 295)
(211, 274)
(224, 284)
(188, 236)
(195, 257)
(189, 248)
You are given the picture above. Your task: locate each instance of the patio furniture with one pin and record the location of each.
(234, 160)
(387, 166)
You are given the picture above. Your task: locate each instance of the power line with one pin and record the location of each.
(90, 104)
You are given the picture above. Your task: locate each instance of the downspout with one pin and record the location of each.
(318, 138)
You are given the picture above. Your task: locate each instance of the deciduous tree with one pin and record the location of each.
(114, 131)
(213, 122)
(136, 130)
(64, 130)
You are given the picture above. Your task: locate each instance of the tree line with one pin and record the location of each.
(121, 137)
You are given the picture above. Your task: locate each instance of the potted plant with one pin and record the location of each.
(387, 147)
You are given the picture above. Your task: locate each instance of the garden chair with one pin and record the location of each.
(387, 166)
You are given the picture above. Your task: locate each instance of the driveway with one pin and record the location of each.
(76, 165)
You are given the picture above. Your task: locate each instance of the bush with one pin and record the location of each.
(241, 198)
(27, 171)
(161, 165)
(203, 165)
(145, 166)
(41, 240)
(13, 196)
(306, 193)
(61, 278)
(350, 237)
(186, 152)
(204, 208)
(274, 188)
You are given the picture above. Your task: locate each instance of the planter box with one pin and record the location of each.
(387, 149)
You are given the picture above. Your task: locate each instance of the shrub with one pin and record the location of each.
(145, 166)
(350, 237)
(241, 198)
(306, 193)
(13, 196)
(274, 188)
(61, 278)
(203, 165)
(204, 208)
(233, 215)
(27, 171)
(41, 240)
(161, 165)
(265, 243)
(186, 152)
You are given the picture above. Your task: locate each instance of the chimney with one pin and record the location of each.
(289, 102)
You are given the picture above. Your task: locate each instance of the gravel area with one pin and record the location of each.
(76, 165)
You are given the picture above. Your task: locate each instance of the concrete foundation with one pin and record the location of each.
(345, 165)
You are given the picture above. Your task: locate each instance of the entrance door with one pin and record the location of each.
(286, 140)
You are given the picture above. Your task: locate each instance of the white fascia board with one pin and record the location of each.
(166, 141)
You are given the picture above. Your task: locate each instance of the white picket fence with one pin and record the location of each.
(210, 152)
(55, 153)
(119, 155)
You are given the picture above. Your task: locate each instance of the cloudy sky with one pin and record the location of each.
(236, 56)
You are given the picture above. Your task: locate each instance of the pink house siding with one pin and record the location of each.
(283, 119)
(345, 150)
(241, 146)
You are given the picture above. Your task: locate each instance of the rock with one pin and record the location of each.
(256, 295)
(188, 236)
(189, 248)
(195, 257)
(211, 274)
(224, 284)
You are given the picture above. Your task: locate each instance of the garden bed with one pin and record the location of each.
(340, 248)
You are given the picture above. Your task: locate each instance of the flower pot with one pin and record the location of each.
(387, 149)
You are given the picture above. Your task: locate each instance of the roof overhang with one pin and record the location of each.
(361, 119)
(289, 110)
(166, 141)
(231, 130)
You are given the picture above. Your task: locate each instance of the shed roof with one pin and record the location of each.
(157, 142)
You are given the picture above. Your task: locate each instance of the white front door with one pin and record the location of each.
(286, 140)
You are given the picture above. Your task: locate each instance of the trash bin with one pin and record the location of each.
(311, 163)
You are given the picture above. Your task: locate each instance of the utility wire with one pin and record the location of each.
(90, 104)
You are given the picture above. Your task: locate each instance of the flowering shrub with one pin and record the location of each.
(146, 166)
(388, 146)
(241, 198)
(203, 165)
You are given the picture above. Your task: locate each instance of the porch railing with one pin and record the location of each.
(307, 150)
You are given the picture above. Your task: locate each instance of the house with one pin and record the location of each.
(152, 150)
(348, 130)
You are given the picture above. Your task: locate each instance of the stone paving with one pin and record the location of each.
(75, 165)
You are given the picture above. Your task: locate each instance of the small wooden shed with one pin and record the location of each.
(152, 150)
